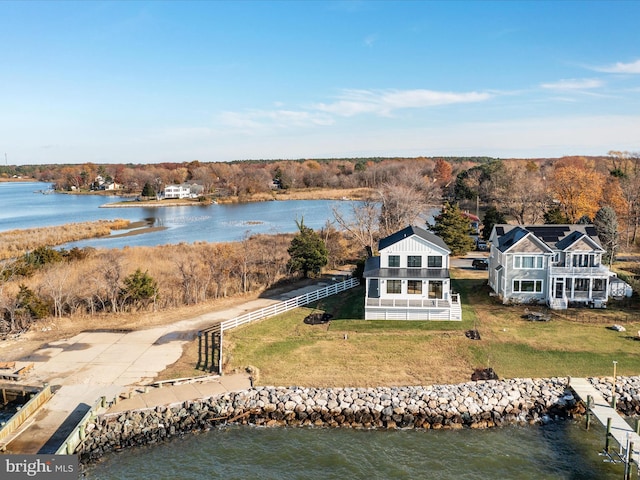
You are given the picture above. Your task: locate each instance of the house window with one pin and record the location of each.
(394, 260)
(435, 289)
(414, 261)
(414, 287)
(394, 286)
(527, 286)
(434, 262)
(583, 260)
(527, 261)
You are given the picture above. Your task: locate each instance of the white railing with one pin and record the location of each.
(579, 272)
(413, 303)
(290, 304)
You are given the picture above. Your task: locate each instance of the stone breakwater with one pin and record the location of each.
(473, 405)
(627, 393)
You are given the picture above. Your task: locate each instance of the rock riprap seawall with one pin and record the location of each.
(474, 405)
(627, 393)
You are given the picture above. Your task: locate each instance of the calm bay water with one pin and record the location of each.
(559, 450)
(22, 207)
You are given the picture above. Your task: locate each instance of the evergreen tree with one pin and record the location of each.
(307, 251)
(491, 217)
(139, 288)
(555, 216)
(454, 228)
(30, 305)
(148, 190)
(606, 224)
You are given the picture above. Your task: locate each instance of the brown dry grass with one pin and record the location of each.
(17, 242)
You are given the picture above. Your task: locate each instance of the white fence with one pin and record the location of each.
(290, 304)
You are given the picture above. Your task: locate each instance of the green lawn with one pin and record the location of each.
(352, 352)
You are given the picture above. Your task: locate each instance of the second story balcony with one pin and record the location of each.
(579, 272)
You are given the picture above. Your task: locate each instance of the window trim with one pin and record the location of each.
(393, 282)
(414, 257)
(429, 290)
(537, 285)
(414, 291)
(538, 262)
(434, 257)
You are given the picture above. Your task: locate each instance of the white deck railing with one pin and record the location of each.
(580, 272)
(414, 303)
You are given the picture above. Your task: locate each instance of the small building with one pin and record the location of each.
(409, 279)
(556, 265)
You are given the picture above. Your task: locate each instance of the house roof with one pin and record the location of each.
(408, 232)
(555, 237)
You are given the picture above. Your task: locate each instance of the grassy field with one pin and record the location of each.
(351, 352)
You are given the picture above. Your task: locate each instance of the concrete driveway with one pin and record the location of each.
(100, 363)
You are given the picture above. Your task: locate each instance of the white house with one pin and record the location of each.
(557, 265)
(184, 190)
(409, 280)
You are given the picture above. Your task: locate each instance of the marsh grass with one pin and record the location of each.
(14, 243)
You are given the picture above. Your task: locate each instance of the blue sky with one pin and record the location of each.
(147, 82)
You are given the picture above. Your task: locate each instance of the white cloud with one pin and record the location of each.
(348, 104)
(573, 84)
(354, 102)
(619, 67)
(261, 119)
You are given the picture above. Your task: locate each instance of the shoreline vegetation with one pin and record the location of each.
(349, 194)
(20, 241)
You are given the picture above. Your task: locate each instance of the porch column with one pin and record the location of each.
(573, 288)
(590, 289)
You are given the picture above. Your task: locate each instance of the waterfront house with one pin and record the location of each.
(409, 279)
(556, 265)
(184, 190)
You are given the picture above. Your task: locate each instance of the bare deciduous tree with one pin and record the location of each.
(520, 191)
(361, 221)
(55, 285)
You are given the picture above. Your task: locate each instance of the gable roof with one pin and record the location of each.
(408, 232)
(555, 237)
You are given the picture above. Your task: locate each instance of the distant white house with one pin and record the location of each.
(409, 280)
(184, 190)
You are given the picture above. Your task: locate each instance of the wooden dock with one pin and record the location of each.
(620, 430)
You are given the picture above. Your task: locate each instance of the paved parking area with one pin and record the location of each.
(96, 363)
